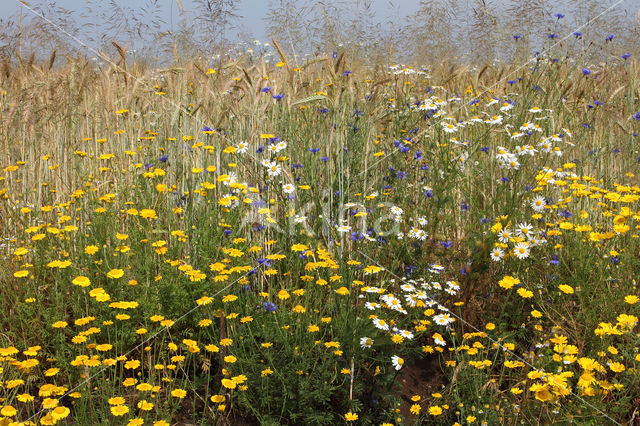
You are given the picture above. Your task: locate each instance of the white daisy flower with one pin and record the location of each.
(397, 362)
(506, 107)
(538, 203)
(343, 229)
(406, 334)
(242, 147)
(521, 250)
(288, 188)
(449, 128)
(496, 119)
(392, 302)
(436, 268)
(381, 324)
(397, 211)
(372, 306)
(366, 342)
(407, 287)
(438, 341)
(505, 235)
(443, 319)
(497, 254)
(524, 229)
(274, 169)
(412, 300)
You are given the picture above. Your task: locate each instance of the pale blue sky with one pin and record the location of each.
(253, 11)
(251, 23)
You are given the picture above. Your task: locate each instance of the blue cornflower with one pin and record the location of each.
(565, 213)
(636, 116)
(278, 97)
(265, 89)
(269, 307)
(625, 56)
(586, 71)
(356, 236)
(559, 15)
(264, 262)
(517, 37)
(610, 37)
(163, 158)
(578, 34)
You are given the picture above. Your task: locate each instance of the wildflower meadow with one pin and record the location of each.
(266, 239)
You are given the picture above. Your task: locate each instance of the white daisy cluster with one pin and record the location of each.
(432, 104)
(524, 238)
(273, 168)
(405, 70)
(418, 293)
